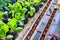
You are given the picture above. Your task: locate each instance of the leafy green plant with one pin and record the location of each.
(27, 4)
(37, 2)
(17, 16)
(12, 24)
(4, 3)
(20, 17)
(1, 15)
(24, 10)
(34, 2)
(13, 13)
(3, 30)
(18, 7)
(32, 10)
(17, 11)
(10, 6)
(20, 14)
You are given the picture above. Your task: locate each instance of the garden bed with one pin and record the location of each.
(16, 19)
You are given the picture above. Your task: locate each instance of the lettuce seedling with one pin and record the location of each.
(24, 10)
(17, 16)
(3, 30)
(12, 24)
(32, 10)
(18, 7)
(20, 17)
(10, 6)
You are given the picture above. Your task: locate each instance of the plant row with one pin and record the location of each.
(14, 15)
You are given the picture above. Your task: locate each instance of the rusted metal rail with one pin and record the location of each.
(31, 33)
(48, 25)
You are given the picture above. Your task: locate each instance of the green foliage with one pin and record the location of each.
(21, 0)
(24, 10)
(12, 24)
(10, 6)
(1, 23)
(19, 29)
(34, 2)
(18, 7)
(3, 29)
(3, 2)
(18, 11)
(37, 1)
(1, 15)
(32, 10)
(17, 15)
(27, 4)
(13, 13)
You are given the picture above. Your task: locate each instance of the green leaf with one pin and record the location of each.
(1, 24)
(12, 24)
(18, 7)
(27, 4)
(9, 36)
(1, 15)
(10, 6)
(4, 2)
(21, 22)
(22, 17)
(17, 16)
(24, 10)
(19, 29)
(5, 28)
(13, 13)
(32, 10)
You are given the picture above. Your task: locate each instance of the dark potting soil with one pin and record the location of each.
(36, 8)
